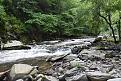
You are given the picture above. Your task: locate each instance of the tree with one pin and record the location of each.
(106, 8)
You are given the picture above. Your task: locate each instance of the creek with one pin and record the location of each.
(45, 48)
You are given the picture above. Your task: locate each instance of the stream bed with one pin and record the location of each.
(45, 49)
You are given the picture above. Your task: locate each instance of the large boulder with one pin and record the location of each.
(98, 39)
(98, 76)
(15, 45)
(21, 70)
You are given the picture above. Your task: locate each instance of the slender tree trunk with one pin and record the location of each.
(119, 28)
(110, 25)
(109, 22)
(113, 33)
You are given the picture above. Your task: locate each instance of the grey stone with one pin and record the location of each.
(80, 77)
(115, 79)
(20, 70)
(98, 76)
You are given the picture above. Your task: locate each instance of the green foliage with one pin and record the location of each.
(39, 18)
(46, 23)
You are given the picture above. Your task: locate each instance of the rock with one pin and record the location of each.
(80, 77)
(15, 45)
(42, 77)
(91, 54)
(109, 56)
(87, 43)
(77, 63)
(50, 78)
(98, 76)
(76, 50)
(98, 39)
(20, 80)
(71, 57)
(22, 70)
(4, 75)
(71, 72)
(57, 58)
(115, 79)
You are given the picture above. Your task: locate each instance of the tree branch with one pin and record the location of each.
(104, 18)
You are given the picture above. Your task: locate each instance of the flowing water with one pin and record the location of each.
(46, 48)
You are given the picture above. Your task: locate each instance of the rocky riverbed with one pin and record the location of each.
(99, 61)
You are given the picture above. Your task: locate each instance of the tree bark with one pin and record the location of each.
(109, 22)
(110, 25)
(119, 27)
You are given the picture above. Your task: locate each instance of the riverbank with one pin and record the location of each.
(98, 61)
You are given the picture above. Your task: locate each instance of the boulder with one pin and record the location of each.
(50, 78)
(71, 72)
(98, 76)
(57, 58)
(80, 77)
(74, 74)
(77, 63)
(4, 75)
(22, 70)
(20, 80)
(76, 50)
(42, 77)
(15, 45)
(98, 39)
(115, 79)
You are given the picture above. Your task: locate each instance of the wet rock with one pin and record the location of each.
(20, 80)
(15, 45)
(71, 57)
(76, 50)
(98, 39)
(115, 79)
(22, 70)
(98, 76)
(56, 58)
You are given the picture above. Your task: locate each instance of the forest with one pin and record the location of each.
(47, 19)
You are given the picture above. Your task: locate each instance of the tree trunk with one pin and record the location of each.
(119, 27)
(113, 33)
(110, 25)
(109, 22)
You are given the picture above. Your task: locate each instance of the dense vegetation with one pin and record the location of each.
(45, 19)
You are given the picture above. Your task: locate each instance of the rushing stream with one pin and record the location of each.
(46, 48)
